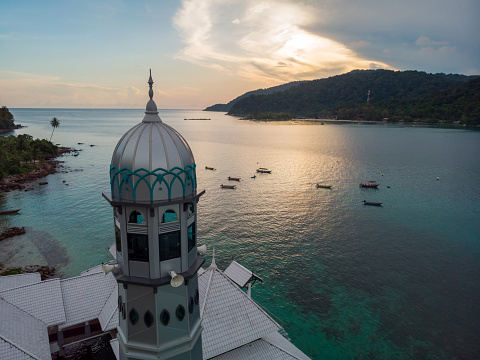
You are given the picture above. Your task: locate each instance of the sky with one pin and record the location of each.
(97, 54)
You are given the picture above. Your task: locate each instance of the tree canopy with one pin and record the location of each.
(18, 154)
(6, 118)
(396, 95)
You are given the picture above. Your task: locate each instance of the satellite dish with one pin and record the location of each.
(177, 280)
(202, 250)
(106, 268)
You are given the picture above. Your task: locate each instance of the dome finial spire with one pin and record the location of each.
(151, 106)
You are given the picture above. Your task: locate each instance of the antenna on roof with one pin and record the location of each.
(213, 265)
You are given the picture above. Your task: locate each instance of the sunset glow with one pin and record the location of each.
(90, 54)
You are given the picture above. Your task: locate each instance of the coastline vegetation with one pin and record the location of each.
(20, 154)
(6, 119)
(373, 95)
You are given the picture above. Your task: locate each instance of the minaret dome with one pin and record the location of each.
(152, 161)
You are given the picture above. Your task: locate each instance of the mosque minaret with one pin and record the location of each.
(154, 197)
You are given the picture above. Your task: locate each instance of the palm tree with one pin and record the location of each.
(54, 123)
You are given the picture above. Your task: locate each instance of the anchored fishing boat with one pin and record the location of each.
(228, 186)
(369, 184)
(9, 211)
(209, 168)
(324, 186)
(264, 171)
(233, 179)
(365, 202)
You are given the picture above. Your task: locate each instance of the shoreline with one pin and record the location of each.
(22, 181)
(19, 126)
(367, 122)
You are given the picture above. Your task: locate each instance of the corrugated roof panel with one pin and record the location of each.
(14, 281)
(85, 296)
(108, 316)
(230, 318)
(42, 300)
(257, 350)
(23, 336)
(239, 274)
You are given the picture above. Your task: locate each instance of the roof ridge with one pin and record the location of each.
(283, 350)
(81, 275)
(15, 306)
(34, 284)
(113, 312)
(249, 298)
(206, 290)
(19, 347)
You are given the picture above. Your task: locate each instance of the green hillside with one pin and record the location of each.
(6, 118)
(396, 95)
(227, 107)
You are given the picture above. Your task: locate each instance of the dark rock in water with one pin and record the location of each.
(10, 232)
(46, 272)
(29, 189)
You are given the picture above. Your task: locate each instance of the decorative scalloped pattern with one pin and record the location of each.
(129, 180)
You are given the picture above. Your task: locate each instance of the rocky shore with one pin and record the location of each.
(46, 272)
(21, 181)
(10, 232)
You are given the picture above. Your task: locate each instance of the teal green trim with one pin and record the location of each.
(125, 177)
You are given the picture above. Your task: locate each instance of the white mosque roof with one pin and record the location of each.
(265, 349)
(22, 336)
(230, 318)
(13, 281)
(42, 300)
(234, 326)
(108, 316)
(239, 274)
(85, 296)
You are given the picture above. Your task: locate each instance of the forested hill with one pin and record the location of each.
(227, 107)
(396, 95)
(6, 118)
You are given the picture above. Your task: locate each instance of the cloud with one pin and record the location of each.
(359, 44)
(425, 41)
(269, 42)
(18, 89)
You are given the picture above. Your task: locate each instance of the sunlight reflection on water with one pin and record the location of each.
(344, 279)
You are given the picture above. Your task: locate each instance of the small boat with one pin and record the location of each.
(9, 212)
(233, 179)
(264, 171)
(209, 168)
(365, 202)
(228, 186)
(369, 184)
(324, 186)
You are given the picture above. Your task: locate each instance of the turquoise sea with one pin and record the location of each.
(346, 281)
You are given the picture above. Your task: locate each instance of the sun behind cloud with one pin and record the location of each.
(266, 41)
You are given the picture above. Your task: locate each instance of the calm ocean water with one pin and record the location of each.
(346, 280)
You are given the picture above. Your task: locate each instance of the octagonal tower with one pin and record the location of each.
(154, 196)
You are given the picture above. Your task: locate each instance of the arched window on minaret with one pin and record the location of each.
(135, 217)
(169, 215)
